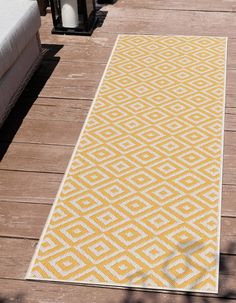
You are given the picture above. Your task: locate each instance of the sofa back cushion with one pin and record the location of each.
(19, 22)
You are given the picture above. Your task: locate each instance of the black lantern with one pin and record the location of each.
(73, 17)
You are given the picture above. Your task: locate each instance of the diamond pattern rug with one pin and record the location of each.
(139, 204)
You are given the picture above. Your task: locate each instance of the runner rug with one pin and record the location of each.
(140, 201)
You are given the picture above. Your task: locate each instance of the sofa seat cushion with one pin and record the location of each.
(19, 22)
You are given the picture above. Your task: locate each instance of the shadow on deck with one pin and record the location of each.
(29, 96)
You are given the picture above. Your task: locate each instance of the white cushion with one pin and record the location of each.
(19, 22)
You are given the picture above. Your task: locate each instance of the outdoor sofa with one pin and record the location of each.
(20, 50)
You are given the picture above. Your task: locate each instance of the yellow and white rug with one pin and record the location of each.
(140, 201)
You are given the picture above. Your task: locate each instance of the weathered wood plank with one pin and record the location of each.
(29, 186)
(229, 138)
(89, 52)
(65, 103)
(14, 264)
(70, 70)
(41, 131)
(127, 20)
(84, 90)
(229, 178)
(40, 292)
(230, 122)
(231, 54)
(52, 112)
(65, 80)
(230, 101)
(36, 157)
(195, 5)
(228, 198)
(146, 13)
(230, 82)
(22, 220)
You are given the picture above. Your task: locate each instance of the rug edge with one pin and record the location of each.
(123, 286)
(221, 170)
(154, 35)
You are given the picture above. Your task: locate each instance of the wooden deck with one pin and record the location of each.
(38, 138)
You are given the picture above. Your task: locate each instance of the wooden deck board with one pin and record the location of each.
(192, 5)
(40, 292)
(66, 103)
(168, 22)
(36, 157)
(21, 220)
(32, 187)
(61, 113)
(42, 130)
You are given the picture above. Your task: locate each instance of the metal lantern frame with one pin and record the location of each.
(87, 19)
